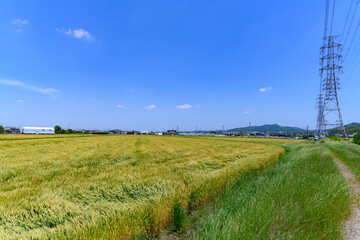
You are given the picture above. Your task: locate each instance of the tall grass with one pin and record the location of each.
(302, 196)
(112, 187)
(349, 153)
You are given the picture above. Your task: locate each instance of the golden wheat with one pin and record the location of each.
(112, 186)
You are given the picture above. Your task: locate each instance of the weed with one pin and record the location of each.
(179, 216)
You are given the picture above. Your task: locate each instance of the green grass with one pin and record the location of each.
(302, 196)
(349, 153)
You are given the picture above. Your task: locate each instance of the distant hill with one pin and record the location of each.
(350, 129)
(273, 128)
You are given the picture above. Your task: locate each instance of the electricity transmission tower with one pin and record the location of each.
(329, 115)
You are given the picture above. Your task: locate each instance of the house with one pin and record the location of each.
(87, 131)
(116, 131)
(38, 130)
(13, 130)
(79, 131)
(170, 132)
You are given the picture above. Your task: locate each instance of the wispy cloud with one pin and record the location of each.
(20, 101)
(247, 112)
(77, 33)
(120, 106)
(265, 89)
(184, 107)
(14, 83)
(151, 107)
(19, 23)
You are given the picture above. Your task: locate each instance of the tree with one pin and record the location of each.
(357, 138)
(57, 129)
(1, 129)
(69, 130)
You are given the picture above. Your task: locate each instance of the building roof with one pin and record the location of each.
(34, 128)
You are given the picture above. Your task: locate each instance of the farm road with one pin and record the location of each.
(352, 226)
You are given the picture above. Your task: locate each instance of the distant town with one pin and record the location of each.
(265, 131)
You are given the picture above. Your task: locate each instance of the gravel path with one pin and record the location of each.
(352, 225)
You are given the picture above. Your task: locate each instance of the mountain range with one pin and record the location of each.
(350, 129)
(275, 128)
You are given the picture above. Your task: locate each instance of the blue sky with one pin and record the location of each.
(159, 64)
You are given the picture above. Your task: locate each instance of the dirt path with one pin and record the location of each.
(352, 226)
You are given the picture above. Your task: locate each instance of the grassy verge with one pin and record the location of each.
(302, 196)
(349, 153)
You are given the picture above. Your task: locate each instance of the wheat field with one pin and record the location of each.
(113, 187)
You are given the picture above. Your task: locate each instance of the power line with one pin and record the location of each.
(332, 17)
(353, 59)
(351, 22)
(353, 55)
(326, 18)
(352, 39)
(347, 20)
(352, 71)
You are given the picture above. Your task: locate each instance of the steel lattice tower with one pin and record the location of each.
(329, 113)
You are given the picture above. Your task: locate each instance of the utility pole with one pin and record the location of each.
(307, 130)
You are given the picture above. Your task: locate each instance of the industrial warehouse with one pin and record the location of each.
(29, 130)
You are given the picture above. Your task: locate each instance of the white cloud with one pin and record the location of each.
(77, 33)
(19, 23)
(265, 89)
(120, 106)
(151, 107)
(247, 112)
(20, 101)
(14, 83)
(185, 106)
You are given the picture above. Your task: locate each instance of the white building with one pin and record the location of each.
(38, 130)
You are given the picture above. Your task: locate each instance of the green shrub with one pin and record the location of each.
(57, 129)
(357, 139)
